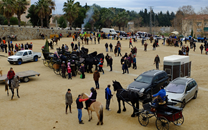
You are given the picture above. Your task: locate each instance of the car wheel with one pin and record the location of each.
(11, 62)
(183, 104)
(26, 79)
(195, 95)
(35, 58)
(19, 62)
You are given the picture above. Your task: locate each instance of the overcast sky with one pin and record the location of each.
(137, 5)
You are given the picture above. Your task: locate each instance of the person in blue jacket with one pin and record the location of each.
(108, 96)
(160, 95)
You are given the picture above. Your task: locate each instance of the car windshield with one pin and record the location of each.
(175, 88)
(144, 79)
(19, 53)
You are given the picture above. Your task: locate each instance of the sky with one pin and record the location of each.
(137, 5)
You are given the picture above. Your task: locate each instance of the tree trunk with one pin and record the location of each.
(47, 17)
(123, 28)
(8, 20)
(41, 22)
(19, 20)
(119, 28)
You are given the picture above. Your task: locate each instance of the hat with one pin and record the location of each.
(69, 89)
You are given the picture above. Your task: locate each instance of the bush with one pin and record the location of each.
(13, 21)
(2, 19)
(23, 23)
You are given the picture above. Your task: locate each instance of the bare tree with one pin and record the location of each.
(203, 10)
(187, 10)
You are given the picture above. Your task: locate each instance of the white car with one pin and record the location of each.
(24, 56)
(182, 89)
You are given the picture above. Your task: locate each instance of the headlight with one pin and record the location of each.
(127, 87)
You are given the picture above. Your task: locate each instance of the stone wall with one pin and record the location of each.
(28, 33)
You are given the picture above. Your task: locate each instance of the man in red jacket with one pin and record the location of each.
(10, 76)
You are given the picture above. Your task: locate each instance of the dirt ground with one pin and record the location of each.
(42, 99)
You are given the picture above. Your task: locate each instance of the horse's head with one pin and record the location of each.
(117, 86)
(84, 95)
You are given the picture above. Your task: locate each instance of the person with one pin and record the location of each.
(92, 97)
(201, 48)
(145, 46)
(130, 43)
(142, 41)
(101, 65)
(119, 51)
(111, 47)
(134, 63)
(107, 59)
(68, 100)
(96, 77)
(72, 46)
(95, 39)
(10, 76)
(160, 96)
(26, 46)
(110, 62)
(106, 47)
(69, 71)
(194, 45)
(187, 50)
(79, 107)
(79, 44)
(5, 46)
(108, 96)
(63, 69)
(157, 61)
(115, 50)
(82, 70)
(126, 65)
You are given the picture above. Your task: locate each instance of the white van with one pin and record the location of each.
(110, 31)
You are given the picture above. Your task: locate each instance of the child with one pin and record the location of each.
(123, 67)
(69, 71)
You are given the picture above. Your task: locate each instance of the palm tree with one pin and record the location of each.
(20, 8)
(49, 6)
(7, 7)
(40, 10)
(121, 19)
(70, 10)
(108, 17)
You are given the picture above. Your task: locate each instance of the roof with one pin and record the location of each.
(176, 58)
(197, 17)
(152, 72)
(181, 80)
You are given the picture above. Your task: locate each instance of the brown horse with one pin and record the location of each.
(14, 85)
(95, 106)
(170, 41)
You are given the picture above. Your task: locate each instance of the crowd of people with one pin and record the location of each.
(11, 49)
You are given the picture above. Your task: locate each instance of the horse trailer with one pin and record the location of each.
(177, 66)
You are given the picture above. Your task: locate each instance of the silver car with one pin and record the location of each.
(182, 89)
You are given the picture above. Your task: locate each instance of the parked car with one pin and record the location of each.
(182, 89)
(149, 82)
(24, 56)
(110, 31)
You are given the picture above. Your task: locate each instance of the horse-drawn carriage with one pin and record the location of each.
(12, 37)
(164, 112)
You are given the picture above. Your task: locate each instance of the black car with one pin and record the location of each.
(149, 82)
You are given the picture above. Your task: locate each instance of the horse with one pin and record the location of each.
(14, 85)
(55, 40)
(95, 106)
(126, 95)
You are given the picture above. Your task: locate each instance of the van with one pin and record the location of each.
(110, 31)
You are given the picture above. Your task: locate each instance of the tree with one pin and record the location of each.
(204, 10)
(177, 21)
(71, 10)
(34, 19)
(107, 17)
(13, 21)
(49, 6)
(187, 10)
(7, 7)
(20, 8)
(121, 19)
(2, 19)
(62, 22)
(40, 10)
(81, 16)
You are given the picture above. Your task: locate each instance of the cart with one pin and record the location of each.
(24, 76)
(164, 114)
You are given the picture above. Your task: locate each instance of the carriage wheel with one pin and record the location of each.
(179, 121)
(56, 71)
(162, 123)
(143, 119)
(50, 65)
(45, 63)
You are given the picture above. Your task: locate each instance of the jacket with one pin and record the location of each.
(68, 70)
(96, 76)
(101, 63)
(108, 94)
(79, 103)
(10, 75)
(161, 93)
(68, 98)
(94, 95)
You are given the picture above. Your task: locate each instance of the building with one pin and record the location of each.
(196, 23)
(23, 16)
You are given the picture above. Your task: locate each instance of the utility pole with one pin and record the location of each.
(151, 19)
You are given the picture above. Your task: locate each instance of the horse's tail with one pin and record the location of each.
(101, 113)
